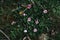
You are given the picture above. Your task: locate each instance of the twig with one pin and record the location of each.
(26, 37)
(15, 9)
(4, 34)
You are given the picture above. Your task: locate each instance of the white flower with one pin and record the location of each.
(45, 11)
(29, 6)
(35, 30)
(29, 19)
(24, 14)
(25, 31)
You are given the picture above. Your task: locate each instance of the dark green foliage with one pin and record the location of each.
(50, 20)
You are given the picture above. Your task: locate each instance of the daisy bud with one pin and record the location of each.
(21, 12)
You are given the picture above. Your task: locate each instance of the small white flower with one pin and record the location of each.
(29, 6)
(25, 31)
(24, 14)
(29, 19)
(35, 30)
(45, 11)
(13, 22)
